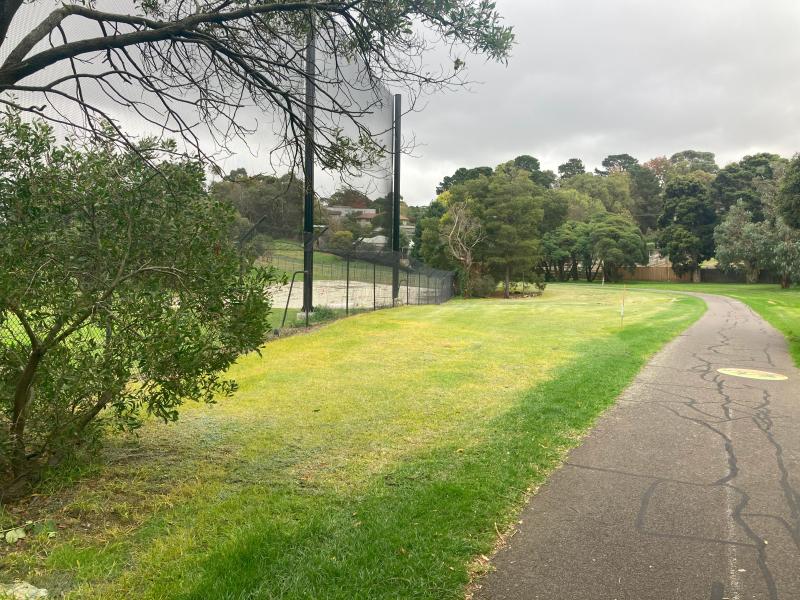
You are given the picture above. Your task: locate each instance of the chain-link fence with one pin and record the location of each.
(360, 237)
(350, 281)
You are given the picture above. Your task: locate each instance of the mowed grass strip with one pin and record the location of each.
(374, 458)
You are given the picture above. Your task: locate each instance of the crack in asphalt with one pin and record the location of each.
(763, 419)
(751, 467)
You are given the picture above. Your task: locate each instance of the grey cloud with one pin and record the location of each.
(595, 77)
(590, 78)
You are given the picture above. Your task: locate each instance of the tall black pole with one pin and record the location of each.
(398, 113)
(308, 208)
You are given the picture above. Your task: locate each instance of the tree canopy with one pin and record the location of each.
(574, 166)
(738, 182)
(509, 206)
(616, 163)
(613, 191)
(689, 161)
(741, 243)
(532, 165)
(676, 203)
(687, 223)
(460, 176)
(788, 201)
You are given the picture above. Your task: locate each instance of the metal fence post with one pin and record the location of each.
(408, 301)
(347, 288)
(374, 289)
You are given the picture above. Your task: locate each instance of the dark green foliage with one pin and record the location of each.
(460, 176)
(742, 244)
(483, 286)
(607, 243)
(646, 195)
(739, 182)
(121, 292)
(555, 206)
(682, 247)
(531, 164)
(273, 205)
(688, 161)
(561, 252)
(528, 163)
(350, 197)
(616, 244)
(574, 166)
(428, 243)
(788, 201)
(616, 163)
(509, 206)
(383, 220)
(687, 223)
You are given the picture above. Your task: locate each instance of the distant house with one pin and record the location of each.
(404, 220)
(338, 213)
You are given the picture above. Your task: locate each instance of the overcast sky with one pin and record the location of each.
(590, 78)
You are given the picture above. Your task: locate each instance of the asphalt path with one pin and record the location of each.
(689, 488)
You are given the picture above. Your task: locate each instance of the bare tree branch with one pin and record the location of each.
(8, 8)
(194, 70)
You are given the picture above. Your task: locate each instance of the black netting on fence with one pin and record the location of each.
(360, 261)
(355, 281)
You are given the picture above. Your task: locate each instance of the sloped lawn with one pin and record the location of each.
(377, 457)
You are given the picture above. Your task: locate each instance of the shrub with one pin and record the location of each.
(121, 291)
(483, 285)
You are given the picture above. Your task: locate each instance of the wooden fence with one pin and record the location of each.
(703, 275)
(654, 274)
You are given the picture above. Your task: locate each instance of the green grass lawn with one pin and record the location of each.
(779, 307)
(376, 457)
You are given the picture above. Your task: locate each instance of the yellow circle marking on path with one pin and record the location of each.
(753, 374)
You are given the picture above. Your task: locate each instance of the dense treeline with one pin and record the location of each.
(517, 220)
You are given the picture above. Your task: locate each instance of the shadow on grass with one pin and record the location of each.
(415, 529)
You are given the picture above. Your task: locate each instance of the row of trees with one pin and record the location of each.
(580, 224)
(517, 221)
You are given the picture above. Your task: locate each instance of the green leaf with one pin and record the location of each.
(14, 535)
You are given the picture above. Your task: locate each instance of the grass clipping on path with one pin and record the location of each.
(374, 458)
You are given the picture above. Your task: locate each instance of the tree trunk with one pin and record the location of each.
(468, 275)
(786, 281)
(751, 275)
(507, 286)
(22, 396)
